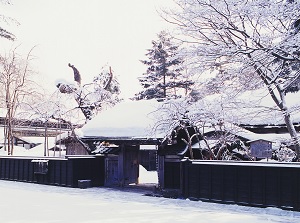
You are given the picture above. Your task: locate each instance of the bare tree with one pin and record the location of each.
(4, 33)
(16, 82)
(259, 38)
(42, 109)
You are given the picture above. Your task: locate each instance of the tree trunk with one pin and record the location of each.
(189, 142)
(9, 134)
(291, 129)
(281, 103)
(46, 140)
(165, 90)
(293, 133)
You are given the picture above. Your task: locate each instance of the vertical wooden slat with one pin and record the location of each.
(11, 169)
(6, 175)
(51, 171)
(70, 173)
(57, 180)
(2, 175)
(63, 171)
(20, 170)
(31, 177)
(25, 170)
(16, 169)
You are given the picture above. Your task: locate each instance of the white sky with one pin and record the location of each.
(88, 34)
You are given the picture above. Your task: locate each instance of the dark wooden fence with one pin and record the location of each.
(246, 183)
(53, 171)
(171, 175)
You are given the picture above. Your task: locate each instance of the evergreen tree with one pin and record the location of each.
(163, 77)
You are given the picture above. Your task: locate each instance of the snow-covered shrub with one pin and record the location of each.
(285, 154)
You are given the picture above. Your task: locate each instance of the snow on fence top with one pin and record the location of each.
(128, 119)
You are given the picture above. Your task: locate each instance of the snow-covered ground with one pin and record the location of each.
(25, 202)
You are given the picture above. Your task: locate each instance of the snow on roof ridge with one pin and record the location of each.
(126, 119)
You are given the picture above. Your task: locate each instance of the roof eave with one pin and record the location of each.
(124, 140)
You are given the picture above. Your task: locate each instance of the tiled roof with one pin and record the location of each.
(176, 149)
(107, 150)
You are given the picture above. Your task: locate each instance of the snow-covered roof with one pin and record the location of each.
(38, 140)
(275, 138)
(128, 119)
(255, 107)
(263, 110)
(35, 151)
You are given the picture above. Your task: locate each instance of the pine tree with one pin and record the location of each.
(163, 77)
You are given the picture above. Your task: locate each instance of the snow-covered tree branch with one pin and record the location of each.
(259, 38)
(4, 33)
(92, 97)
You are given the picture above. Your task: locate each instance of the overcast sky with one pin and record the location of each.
(88, 34)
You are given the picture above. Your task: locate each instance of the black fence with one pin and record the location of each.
(53, 171)
(246, 183)
(172, 175)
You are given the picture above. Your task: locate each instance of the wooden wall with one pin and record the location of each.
(53, 171)
(169, 172)
(75, 148)
(247, 183)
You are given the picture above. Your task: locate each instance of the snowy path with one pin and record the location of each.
(25, 202)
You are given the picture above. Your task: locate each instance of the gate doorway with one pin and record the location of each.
(111, 168)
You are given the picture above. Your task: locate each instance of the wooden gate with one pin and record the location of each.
(131, 164)
(112, 173)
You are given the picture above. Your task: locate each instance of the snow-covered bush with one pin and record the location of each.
(285, 154)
